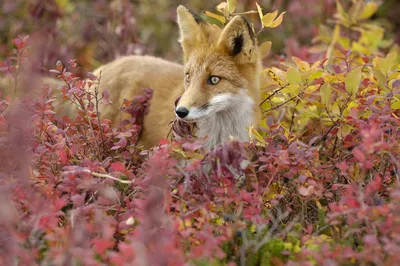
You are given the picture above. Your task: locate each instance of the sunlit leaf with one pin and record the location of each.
(326, 93)
(395, 105)
(341, 13)
(231, 6)
(353, 79)
(277, 21)
(221, 19)
(268, 18)
(311, 89)
(344, 130)
(255, 134)
(314, 76)
(265, 47)
(369, 9)
(259, 11)
(379, 77)
(302, 65)
(293, 76)
(222, 7)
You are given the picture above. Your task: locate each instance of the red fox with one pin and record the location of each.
(218, 85)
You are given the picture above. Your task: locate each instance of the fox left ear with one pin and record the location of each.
(237, 38)
(190, 28)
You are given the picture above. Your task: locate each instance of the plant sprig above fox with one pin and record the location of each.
(218, 85)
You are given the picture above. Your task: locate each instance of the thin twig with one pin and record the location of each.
(111, 177)
(293, 115)
(272, 94)
(276, 107)
(96, 89)
(326, 134)
(245, 13)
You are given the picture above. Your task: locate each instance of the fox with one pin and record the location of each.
(218, 84)
(217, 87)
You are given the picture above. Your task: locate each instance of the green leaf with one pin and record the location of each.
(326, 93)
(353, 79)
(231, 6)
(293, 76)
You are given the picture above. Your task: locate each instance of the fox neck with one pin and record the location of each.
(232, 122)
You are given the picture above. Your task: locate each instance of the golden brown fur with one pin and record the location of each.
(128, 76)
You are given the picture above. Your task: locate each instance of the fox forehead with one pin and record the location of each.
(204, 63)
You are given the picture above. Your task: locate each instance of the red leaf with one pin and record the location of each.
(91, 76)
(63, 156)
(358, 154)
(101, 245)
(118, 166)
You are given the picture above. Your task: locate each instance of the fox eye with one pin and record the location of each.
(187, 77)
(213, 80)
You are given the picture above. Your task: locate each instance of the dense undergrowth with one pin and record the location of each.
(318, 185)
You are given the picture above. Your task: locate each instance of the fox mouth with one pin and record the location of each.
(192, 114)
(195, 113)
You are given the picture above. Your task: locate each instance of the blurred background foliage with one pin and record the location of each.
(97, 31)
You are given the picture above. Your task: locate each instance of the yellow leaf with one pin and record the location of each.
(310, 89)
(353, 79)
(221, 19)
(259, 11)
(381, 79)
(303, 66)
(326, 93)
(222, 8)
(268, 18)
(390, 60)
(265, 47)
(341, 13)
(293, 76)
(369, 9)
(385, 64)
(254, 133)
(395, 105)
(231, 6)
(277, 21)
(336, 33)
(274, 76)
(314, 76)
(344, 130)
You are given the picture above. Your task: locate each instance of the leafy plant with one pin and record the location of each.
(318, 185)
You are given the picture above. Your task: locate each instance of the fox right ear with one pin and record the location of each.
(190, 29)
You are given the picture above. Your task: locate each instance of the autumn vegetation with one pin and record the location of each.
(319, 184)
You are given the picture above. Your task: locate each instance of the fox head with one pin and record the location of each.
(222, 66)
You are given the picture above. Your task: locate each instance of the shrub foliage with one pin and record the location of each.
(318, 184)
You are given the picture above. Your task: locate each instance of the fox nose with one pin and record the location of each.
(181, 112)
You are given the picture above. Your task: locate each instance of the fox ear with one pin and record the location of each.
(237, 38)
(190, 28)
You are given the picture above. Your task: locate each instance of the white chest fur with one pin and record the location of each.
(230, 115)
